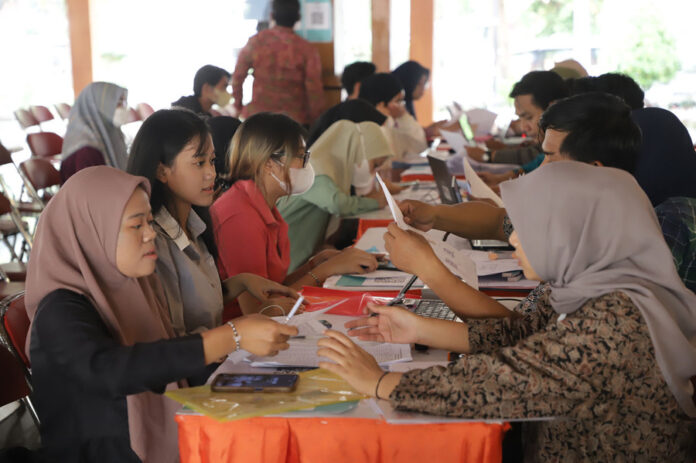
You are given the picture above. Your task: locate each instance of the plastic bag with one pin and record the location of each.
(314, 388)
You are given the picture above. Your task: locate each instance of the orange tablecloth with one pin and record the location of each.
(335, 440)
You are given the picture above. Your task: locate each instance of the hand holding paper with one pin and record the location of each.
(408, 251)
(456, 261)
(478, 186)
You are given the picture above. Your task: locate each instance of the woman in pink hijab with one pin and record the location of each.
(102, 346)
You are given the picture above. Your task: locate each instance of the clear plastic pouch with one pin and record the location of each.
(314, 388)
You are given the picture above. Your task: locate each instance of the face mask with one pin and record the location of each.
(222, 99)
(120, 116)
(301, 180)
(363, 179)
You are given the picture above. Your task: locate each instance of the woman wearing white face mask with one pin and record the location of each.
(267, 161)
(94, 134)
(338, 157)
(209, 88)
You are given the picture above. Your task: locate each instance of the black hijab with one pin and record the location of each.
(666, 164)
(352, 110)
(409, 74)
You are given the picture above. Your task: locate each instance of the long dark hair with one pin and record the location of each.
(160, 139)
(409, 74)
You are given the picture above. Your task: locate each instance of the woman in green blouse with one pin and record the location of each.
(347, 154)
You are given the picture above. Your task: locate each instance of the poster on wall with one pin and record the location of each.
(314, 25)
(316, 21)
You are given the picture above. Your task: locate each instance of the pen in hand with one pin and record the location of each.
(297, 305)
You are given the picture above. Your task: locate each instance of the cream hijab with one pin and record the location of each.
(591, 230)
(344, 145)
(75, 249)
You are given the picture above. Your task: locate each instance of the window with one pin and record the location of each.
(154, 48)
(353, 32)
(482, 48)
(37, 67)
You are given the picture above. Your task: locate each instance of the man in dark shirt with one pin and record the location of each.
(353, 74)
(209, 87)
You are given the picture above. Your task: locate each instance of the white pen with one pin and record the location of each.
(294, 308)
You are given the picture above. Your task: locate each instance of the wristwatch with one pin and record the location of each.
(486, 156)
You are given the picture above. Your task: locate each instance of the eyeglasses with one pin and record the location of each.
(305, 157)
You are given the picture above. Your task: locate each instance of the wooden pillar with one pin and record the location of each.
(332, 85)
(422, 22)
(380, 35)
(80, 43)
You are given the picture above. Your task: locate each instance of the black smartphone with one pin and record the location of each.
(249, 382)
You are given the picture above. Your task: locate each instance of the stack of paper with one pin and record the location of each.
(373, 281)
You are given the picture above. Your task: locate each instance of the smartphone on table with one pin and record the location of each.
(249, 382)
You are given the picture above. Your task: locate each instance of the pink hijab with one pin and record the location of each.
(75, 249)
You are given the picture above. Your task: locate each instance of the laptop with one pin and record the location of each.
(445, 182)
(431, 308)
(448, 190)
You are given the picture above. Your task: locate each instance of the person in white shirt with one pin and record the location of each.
(386, 93)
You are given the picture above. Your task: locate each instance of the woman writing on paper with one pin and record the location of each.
(102, 346)
(609, 350)
(268, 162)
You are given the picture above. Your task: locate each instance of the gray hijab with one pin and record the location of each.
(589, 231)
(91, 124)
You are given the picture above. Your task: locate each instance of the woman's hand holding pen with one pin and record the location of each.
(393, 324)
(408, 251)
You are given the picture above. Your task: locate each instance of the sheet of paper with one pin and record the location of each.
(455, 140)
(482, 119)
(492, 267)
(455, 260)
(478, 186)
(313, 324)
(304, 353)
(372, 240)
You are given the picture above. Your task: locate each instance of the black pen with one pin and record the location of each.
(400, 297)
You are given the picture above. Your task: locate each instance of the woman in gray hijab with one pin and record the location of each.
(610, 352)
(94, 134)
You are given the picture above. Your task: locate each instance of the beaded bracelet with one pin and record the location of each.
(237, 337)
(378, 383)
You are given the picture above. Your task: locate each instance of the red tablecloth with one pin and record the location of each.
(335, 440)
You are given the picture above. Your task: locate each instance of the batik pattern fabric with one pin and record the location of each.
(593, 371)
(287, 75)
